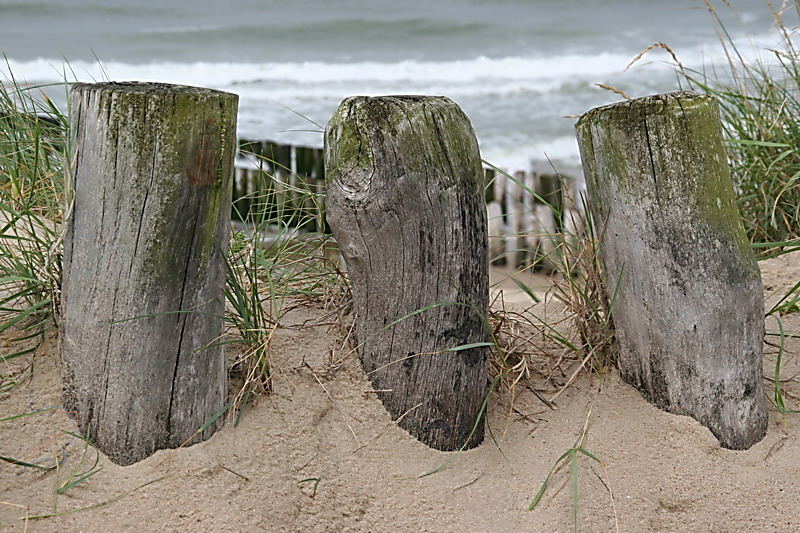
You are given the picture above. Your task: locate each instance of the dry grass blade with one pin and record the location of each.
(26, 511)
(652, 47)
(613, 90)
(336, 405)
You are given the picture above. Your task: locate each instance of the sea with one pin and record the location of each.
(522, 70)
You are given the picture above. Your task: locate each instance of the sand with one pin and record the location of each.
(665, 472)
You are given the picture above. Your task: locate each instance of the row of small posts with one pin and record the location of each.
(142, 293)
(279, 184)
(526, 209)
(527, 212)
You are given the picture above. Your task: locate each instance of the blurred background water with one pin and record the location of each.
(517, 67)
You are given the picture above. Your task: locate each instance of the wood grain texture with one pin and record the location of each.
(689, 306)
(406, 205)
(144, 269)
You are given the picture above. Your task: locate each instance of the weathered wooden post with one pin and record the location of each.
(305, 170)
(406, 205)
(689, 304)
(496, 213)
(529, 229)
(513, 220)
(144, 264)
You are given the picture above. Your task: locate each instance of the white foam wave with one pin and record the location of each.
(169, 30)
(230, 74)
(467, 71)
(293, 80)
(529, 72)
(337, 91)
(515, 103)
(557, 149)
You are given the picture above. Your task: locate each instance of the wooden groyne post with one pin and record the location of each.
(144, 264)
(686, 289)
(406, 205)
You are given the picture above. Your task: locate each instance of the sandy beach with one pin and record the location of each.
(321, 454)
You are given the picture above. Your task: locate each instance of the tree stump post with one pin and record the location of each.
(688, 308)
(406, 204)
(144, 264)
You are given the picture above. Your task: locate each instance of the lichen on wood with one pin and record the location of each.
(150, 182)
(686, 289)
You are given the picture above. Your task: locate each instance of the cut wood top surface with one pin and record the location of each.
(146, 87)
(653, 103)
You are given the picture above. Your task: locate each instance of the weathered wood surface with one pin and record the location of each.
(144, 265)
(689, 304)
(406, 205)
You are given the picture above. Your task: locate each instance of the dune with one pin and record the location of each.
(321, 454)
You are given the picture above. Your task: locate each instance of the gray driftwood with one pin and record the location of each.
(144, 267)
(689, 303)
(406, 205)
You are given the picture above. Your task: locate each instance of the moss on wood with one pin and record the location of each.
(688, 301)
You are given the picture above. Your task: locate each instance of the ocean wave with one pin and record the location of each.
(480, 70)
(28, 8)
(172, 30)
(230, 74)
(332, 30)
(337, 91)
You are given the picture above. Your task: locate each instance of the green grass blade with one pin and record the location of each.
(543, 487)
(575, 494)
(25, 464)
(527, 290)
(481, 414)
(469, 346)
(43, 409)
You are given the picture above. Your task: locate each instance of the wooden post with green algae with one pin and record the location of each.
(406, 204)
(144, 264)
(688, 309)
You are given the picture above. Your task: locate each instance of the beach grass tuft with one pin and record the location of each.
(274, 268)
(759, 101)
(33, 146)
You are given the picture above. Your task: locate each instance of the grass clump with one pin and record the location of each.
(32, 152)
(583, 329)
(274, 267)
(759, 102)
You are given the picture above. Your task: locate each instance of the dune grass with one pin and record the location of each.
(272, 269)
(759, 100)
(583, 338)
(32, 151)
(586, 331)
